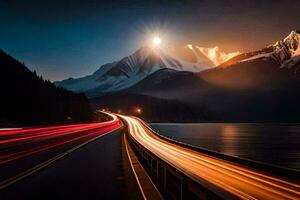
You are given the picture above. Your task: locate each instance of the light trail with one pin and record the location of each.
(240, 181)
(110, 127)
(16, 144)
(16, 155)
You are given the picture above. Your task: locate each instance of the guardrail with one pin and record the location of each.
(170, 182)
(286, 173)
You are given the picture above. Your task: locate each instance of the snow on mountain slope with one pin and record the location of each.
(130, 70)
(286, 52)
(85, 83)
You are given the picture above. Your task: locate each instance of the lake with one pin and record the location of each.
(277, 144)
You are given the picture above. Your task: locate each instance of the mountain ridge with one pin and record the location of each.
(122, 74)
(285, 51)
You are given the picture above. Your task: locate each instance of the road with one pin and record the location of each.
(25, 151)
(221, 175)
(94, 171)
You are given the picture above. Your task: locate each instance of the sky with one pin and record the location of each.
(73, 38)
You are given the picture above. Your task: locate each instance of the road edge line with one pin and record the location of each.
(136, 176)
(134, 172)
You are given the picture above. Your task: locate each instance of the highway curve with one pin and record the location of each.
(25, 151)
(221, 176)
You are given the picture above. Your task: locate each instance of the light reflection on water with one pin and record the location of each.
(229, 134)
(277, 144)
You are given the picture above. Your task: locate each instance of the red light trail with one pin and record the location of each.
(16, 144)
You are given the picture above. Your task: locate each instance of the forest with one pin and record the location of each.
(29, 99)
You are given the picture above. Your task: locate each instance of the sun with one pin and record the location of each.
(156, 41)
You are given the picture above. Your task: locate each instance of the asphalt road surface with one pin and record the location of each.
(91, 172)
(62, 162)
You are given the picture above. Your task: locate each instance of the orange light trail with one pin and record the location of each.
(235, 179)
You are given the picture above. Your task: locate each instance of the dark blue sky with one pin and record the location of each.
(75, 37)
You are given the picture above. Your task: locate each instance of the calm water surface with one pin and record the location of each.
(277, 144)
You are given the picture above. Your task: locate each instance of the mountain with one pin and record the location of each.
(250, 87)
(28, 99)
(120, 75)
(271, 68)
(169, 84)
(285, 52)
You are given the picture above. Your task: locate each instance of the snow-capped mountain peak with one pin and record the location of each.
(287, 51)
(131, 69)
(293, 42)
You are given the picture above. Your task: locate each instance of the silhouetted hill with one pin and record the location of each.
(258, 90)
(28, 99)
(152, 109)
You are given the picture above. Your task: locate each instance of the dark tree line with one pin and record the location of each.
(28, 99)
